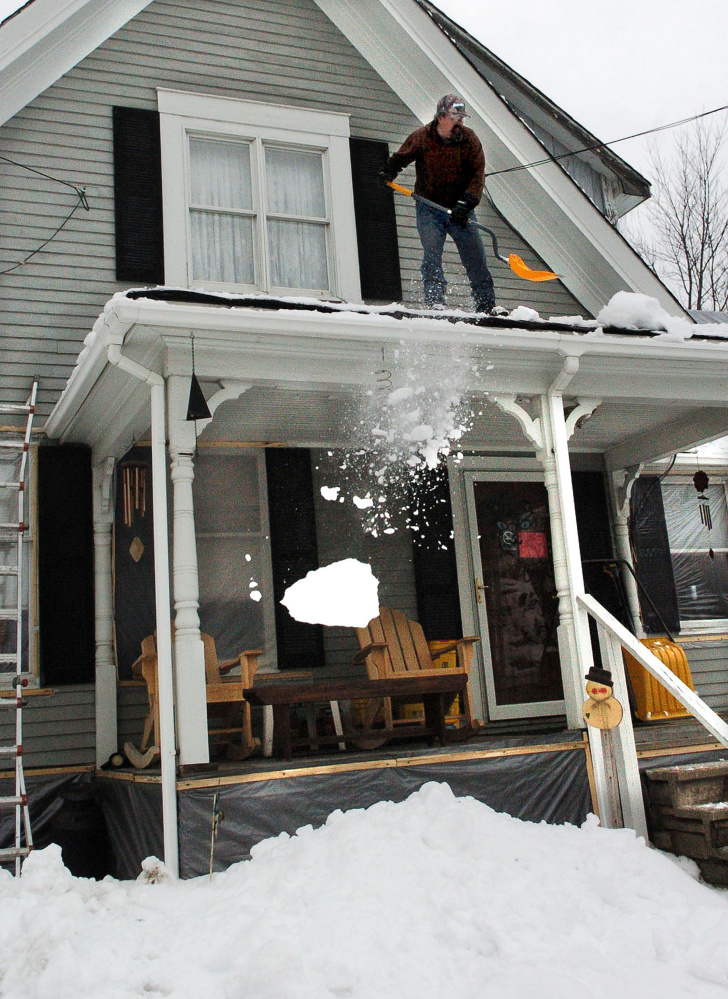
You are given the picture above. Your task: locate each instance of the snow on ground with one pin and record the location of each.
(434, 897)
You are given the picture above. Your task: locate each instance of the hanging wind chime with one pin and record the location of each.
(134, 490)
(700, 481)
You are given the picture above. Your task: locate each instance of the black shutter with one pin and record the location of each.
(376, 224)
(653, 563)
(433, 552)
(595, 542)
(138, 196)
(294, 551)
(65, 565)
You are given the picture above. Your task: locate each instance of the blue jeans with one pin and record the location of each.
(433, 226)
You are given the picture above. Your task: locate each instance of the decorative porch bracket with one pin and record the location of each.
(105, 666)
(582, 411)
(228, 390)
(531, 427)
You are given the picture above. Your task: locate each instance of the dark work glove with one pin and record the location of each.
(459, 214)
(384, 179)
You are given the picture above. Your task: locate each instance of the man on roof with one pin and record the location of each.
(450, 167)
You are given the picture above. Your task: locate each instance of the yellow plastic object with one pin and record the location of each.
(415, 711)
(653, 702)
(523, 271)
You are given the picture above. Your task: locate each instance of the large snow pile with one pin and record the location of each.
(437, 896)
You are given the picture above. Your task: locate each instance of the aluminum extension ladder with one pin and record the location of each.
(11, 536)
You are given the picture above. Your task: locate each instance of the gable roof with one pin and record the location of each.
(410, 51)
(557, 131)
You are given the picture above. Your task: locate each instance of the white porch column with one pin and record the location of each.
(621, 484)
(189, 651)
(105, 689)
(573, 631)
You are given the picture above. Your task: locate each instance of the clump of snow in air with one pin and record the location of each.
(343, 594)
(435, 896)
(411, 418)
(330, 493)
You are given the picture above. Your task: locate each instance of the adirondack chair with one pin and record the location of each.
(224, 695)
(391, 645)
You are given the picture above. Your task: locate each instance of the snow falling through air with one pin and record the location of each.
(410, 420)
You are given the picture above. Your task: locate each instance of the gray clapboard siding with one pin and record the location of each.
(708, 660)
(132, 706)
(282, 51)
(58, 728)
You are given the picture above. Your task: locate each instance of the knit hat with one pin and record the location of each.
(450, 102)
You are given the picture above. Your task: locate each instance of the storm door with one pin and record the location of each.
(515, 593)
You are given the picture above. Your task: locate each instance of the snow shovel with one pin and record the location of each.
(513, 260)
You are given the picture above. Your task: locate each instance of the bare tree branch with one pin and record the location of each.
(686, 239)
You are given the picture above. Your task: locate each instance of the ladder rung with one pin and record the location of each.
(8, 613)
(9, 751)
(9, 485)
(10, 852)
(8, 570)
(16, 407)
(13, 525)
(15, 800)
(11, 702)
(13, 445)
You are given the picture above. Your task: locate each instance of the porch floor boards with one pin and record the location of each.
(684, 735)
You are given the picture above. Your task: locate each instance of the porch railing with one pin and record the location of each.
(614, 753)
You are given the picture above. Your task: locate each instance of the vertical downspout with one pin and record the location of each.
(167, 748)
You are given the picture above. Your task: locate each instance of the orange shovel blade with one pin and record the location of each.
(518, 267)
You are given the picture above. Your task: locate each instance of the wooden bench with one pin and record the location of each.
(434, 691)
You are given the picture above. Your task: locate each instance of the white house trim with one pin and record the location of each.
(183, 113)
(48, 39)
(408, 50)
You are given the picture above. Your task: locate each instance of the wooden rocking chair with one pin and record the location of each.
(224, 696)
(392, 645)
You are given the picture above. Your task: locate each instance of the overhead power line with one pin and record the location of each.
(82, 202)
(605, 145)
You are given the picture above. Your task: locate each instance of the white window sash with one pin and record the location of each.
(183, 114)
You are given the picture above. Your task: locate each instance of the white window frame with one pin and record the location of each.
(184, 114)
(699, 626)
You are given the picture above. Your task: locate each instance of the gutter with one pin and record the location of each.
(168, 750)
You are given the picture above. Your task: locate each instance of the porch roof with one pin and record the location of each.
(284, 370)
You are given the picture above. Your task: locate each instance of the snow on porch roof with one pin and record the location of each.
(627, 319)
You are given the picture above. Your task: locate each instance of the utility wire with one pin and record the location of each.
(81, 203)
(605, 145)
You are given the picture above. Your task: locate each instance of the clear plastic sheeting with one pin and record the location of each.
(699, 553)
(232, 552)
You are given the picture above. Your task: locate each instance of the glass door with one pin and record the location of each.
(516, 594)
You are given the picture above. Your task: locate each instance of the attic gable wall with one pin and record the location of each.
(282, 51)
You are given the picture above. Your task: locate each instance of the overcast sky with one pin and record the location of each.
(617, 67)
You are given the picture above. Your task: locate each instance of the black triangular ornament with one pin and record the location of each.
(197, 408)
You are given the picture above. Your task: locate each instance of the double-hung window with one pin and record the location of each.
(257, 197)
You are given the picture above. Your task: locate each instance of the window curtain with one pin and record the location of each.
(297, 250)
(222, 243)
